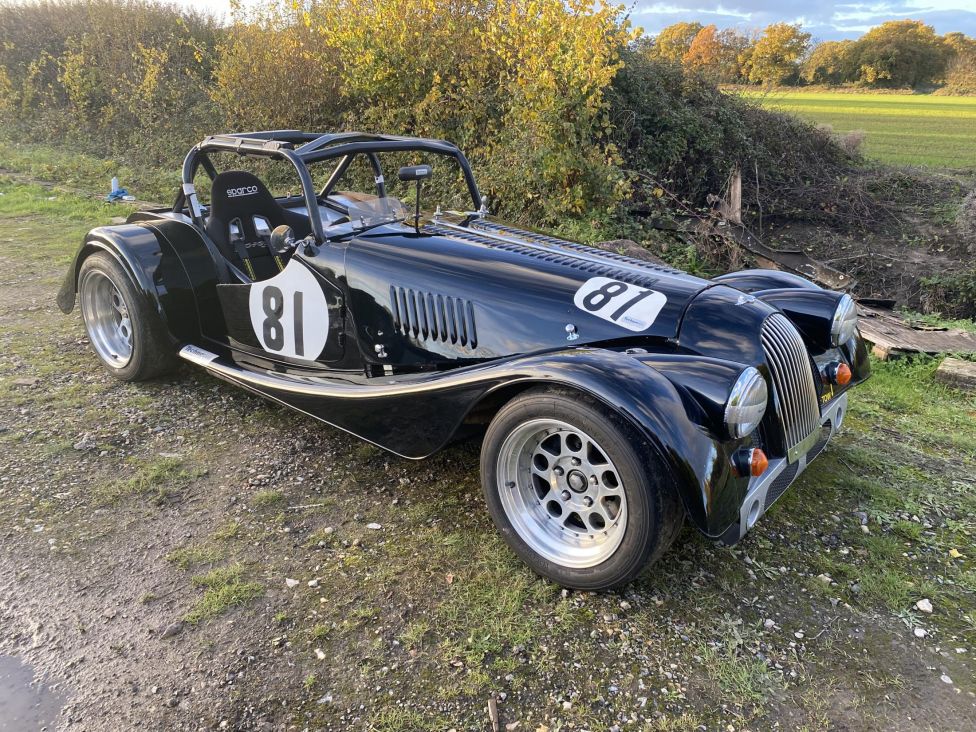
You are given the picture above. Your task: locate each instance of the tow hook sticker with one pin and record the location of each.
(631, 307)
(289, 313)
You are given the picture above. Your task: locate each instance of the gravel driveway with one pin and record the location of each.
(180, 555)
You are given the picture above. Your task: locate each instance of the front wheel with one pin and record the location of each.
(124, 332)
(575, 491)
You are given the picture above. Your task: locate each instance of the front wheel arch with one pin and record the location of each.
(554, 534)
(486, 408)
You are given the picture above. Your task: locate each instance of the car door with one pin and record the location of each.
(297, 317)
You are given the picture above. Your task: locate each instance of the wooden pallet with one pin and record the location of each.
(891, 336)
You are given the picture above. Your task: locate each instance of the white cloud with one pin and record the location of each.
(665, 9)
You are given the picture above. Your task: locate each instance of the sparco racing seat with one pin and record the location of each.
(243, 213)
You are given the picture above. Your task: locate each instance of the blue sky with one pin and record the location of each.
(825, 20)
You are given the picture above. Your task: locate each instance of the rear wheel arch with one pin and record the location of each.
(124, 330)
(94, 244)
(156, 268)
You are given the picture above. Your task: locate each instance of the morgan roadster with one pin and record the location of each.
(615, 396)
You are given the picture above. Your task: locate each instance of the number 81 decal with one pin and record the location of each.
(631, 307)
(289, 313)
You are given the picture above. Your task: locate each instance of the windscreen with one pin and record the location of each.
(372, 211)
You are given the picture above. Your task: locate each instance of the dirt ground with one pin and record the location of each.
(180, 555)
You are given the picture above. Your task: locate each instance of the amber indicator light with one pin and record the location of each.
(758, 462)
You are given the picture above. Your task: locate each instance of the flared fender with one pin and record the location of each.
(158, 256)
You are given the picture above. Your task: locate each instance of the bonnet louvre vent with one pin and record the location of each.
(493, 226)
(433, 316)
(593, 269)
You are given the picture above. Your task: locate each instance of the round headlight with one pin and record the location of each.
(747, 403)
(844, 323)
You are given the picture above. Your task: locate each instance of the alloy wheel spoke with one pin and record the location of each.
(595, 458)
(566, 501)
(607, 484)
(600, 509)
(119, 304)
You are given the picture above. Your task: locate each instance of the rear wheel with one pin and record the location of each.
(125, 333)
(573, 489)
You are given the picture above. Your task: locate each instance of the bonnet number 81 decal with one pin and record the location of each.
(631, 307)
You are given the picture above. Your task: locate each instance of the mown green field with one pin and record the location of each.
(904, 129)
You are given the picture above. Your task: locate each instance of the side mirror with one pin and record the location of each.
(282, 239)
(414, 172)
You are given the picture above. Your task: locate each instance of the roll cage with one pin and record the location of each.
(302, 148)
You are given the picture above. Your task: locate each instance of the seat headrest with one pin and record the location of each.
(236, 193)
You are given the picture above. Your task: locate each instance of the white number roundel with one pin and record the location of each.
(631, 307)
(289, 313)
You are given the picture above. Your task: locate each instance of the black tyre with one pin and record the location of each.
(125, 333)
(575, 491)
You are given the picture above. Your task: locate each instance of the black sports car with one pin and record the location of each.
(618, 396)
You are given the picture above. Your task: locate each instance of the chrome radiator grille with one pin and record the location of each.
(796, 394)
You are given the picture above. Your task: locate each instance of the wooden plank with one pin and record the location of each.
(795, 261)
(892, 336)
(958, 373)
(735, 198)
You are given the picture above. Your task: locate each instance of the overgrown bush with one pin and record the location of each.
(122, 72)
(564, 115)
(273, 72)
(674, 129)
(961, 75)
(952, 294)
(518, 84)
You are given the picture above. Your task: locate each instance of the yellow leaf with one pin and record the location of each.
(955, 553)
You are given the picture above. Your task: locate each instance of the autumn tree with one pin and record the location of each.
(736, 49)
(961, 70)
(673, 42)
(705, 53)
(959, 43)
(901, 53)
(774, 58)
(831, 62)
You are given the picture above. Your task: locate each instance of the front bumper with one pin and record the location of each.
(765, 490)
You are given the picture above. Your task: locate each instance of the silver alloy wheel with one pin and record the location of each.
(561, 493)
(107, 319)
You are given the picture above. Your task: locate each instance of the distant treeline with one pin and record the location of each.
(566, 115)
(897, 54)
